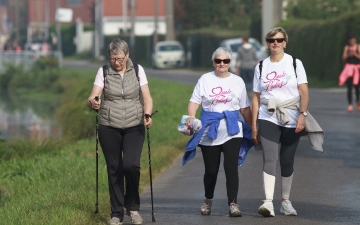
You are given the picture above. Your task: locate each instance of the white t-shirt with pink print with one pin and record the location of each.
(217, 94)
(278, 80)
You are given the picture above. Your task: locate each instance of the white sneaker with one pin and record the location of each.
(267, 209)
(287, 209)
(135, 217)
(114, 221)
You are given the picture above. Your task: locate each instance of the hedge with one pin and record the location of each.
(319, 44)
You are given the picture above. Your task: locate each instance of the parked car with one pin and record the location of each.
(234, 43)
(34, 44)
(168, 54)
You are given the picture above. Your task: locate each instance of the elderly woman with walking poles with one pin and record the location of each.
(124, 113)
(223, 97)
(280, 117)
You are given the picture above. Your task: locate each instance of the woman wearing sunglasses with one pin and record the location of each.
(222, 95)
(278, 85)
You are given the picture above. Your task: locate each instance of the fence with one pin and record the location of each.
(26, 58)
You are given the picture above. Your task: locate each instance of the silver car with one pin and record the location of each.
(168, 54)
(234, 43)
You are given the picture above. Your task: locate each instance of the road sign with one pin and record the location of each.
(63, 15)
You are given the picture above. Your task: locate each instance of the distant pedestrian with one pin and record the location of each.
(280, 115)
(222, 96)
(245, 63)
(125, 110)
(16, 47)
(350, 73)
(45, 48)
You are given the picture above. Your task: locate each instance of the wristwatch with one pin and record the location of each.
(304, 113)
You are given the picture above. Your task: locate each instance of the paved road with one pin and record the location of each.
(326, 186)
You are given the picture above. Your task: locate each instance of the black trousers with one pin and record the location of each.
(349, 85)
(122, 150)
(212, 156)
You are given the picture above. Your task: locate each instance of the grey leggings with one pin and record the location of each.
(271, 136)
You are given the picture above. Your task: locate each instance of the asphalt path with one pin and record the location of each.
(326, 186)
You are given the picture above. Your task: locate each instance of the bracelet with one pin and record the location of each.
(147, 116)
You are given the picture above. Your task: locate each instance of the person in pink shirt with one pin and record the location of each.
(350, 73)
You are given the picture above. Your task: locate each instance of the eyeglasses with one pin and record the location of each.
(272, 40)
(225, 61)
(117, 59)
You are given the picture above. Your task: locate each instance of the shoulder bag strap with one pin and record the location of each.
(260, 68)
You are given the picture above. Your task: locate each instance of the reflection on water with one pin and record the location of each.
(27, 125)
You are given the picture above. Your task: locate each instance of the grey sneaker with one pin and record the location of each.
(114, 221)
(135, 217)
(267, 209)
(234, 210)
(287, 209)
(205, 208)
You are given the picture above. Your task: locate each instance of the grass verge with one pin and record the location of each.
(58, 187)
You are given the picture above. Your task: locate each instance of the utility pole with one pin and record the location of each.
(47, 19)
(272, 11)
(101, 30)
(125, 9)
(170, 34)
(132, 31)
(17, 18)
(98, 31)
(58, 31)
(155, 39)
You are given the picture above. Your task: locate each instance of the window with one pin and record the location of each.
(74, 2)
(165, 48)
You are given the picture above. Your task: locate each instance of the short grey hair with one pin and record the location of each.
(272, 32)
(117, 45)
(221, 51)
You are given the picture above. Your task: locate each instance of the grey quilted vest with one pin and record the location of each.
(122, 103)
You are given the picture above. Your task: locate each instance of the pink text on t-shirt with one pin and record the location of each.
(275, 80)
(220, 96)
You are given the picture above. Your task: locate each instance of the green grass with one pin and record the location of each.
(51, 184)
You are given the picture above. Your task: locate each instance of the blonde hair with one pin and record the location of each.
(272, 32)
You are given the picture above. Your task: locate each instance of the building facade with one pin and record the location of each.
(116, 15)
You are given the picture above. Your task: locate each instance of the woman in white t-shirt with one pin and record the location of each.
(124, 112)
(276, 83)
(222, 96)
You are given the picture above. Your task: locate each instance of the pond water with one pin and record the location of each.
(26, 124)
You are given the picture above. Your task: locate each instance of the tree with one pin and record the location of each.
(319, 9)
(227, 14)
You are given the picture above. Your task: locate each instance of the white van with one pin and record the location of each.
(234, 43)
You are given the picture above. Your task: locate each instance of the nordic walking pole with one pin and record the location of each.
(97, 160)
(151, 189)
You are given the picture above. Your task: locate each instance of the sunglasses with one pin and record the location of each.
(225, 61)
(272, 40)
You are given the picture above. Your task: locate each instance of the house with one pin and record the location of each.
(42, 13)
(116, 16)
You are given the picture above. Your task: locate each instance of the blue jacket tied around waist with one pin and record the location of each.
(212, 119)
